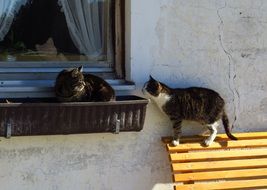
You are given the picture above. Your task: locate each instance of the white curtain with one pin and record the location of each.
(8, 9)
(86, 24)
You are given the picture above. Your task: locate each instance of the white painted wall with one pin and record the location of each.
(216, 44)
(211, 43)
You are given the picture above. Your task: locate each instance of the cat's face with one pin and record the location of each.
(73, 80)
(152, 87)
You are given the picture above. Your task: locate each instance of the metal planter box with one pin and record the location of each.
(28, 117)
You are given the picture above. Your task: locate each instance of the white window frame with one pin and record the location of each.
(33, 79)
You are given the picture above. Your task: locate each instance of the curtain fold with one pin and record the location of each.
(86, 24)
(8, 9)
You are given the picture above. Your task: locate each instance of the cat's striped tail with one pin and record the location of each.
(225, 122)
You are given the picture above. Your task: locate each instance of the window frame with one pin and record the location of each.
(24, 79)
(119, 36)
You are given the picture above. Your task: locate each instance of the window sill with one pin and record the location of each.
(27, 79)
(45, 88)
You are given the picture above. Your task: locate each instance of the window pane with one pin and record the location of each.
(55, 30)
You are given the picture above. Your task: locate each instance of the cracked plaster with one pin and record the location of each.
(215, 44)
(211, 43)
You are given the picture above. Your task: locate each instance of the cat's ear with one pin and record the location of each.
(80, 69)
(74, 72)
(155, 82)
(151, 78)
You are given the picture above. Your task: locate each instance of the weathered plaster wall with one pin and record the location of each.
(216, 44)
(128, 161)
(212, 43)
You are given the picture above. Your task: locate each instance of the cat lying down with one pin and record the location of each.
(195, 104)
(74, 86)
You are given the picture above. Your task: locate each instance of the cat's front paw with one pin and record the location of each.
(175, 142)
(207, 142)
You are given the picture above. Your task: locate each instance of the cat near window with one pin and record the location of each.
(74, 86)
(194, 104)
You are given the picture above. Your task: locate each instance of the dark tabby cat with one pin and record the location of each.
(74, 86)
(195, 104)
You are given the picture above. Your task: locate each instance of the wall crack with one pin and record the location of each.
(231, 66)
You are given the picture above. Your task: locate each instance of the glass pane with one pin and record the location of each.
(55, 30)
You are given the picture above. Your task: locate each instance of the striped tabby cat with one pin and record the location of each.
(74, 86)
(194, 104)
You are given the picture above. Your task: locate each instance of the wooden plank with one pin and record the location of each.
(257, 183)
(220, 137)
(218, 145)
(216, 155)
(219, 165)
(214, 175)
(250, 135)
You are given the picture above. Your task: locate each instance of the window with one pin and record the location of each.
(56, 30)
(38, 38)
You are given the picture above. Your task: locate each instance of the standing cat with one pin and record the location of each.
(74, 86)
(195, 104)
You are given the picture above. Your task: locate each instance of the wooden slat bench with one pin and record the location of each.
(225, 164)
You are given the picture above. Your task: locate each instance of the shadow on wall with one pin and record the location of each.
(93, 161)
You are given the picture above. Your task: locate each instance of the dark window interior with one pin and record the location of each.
(39, 32)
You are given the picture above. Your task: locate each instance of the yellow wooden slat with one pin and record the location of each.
(258, 183)
(215, 165)
(231, 160)
(213, 155)
(218, 145)
(251, 135)
(221, 137)
(214, 175)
